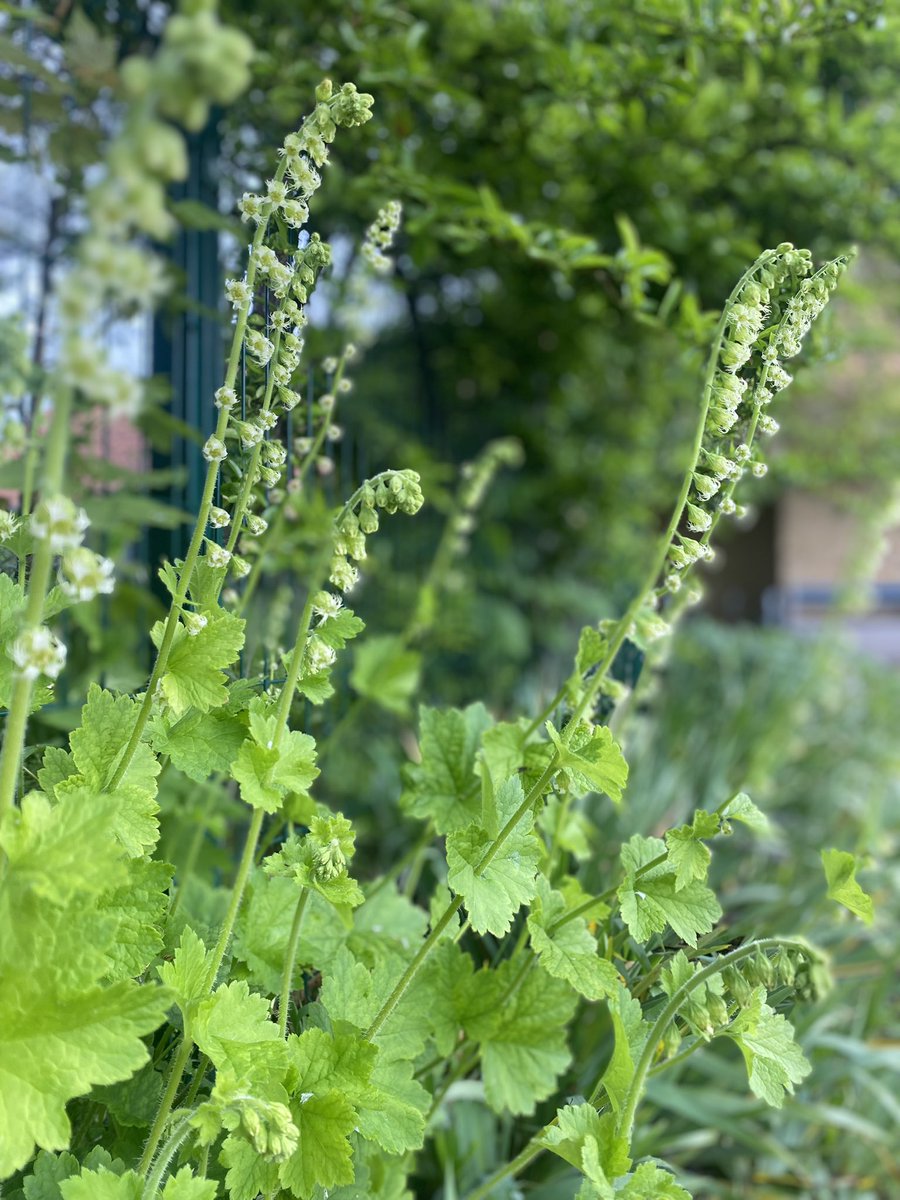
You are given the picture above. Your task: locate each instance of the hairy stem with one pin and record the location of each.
(290, 956)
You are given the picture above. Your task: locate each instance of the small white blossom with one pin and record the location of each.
(38, 652)
(253, 208)
(320, 655)
(194, 622)
(9, 523)
(59, 521)
(326, 605)
(238, 291)
(259, 346)
(217, 556)
(326, 402)
(219, 518)
(226, 397)
(343, 574)
(329, 365)
(277, 191)
(214, 450)
(84, 574)
(250, 432)
(256, 524)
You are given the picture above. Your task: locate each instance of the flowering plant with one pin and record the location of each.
(299, 1031)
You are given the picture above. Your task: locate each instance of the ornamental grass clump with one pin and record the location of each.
(286, 1027)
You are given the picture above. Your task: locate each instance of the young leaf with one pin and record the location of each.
(495, 892)
(591, 759)
(688, 855)
(186, 974)
(522, 1032)
(194, 675)
(139, 907)
(106, 725)
(569, 951)
(650, 1182)
(741, 808)
(386, 672)
(267, 771)
(630, 1035)
(443, 786)
(232, 1026)
(102, 1185)
(589, 1142)
(775, 1063)
(652, 900)
(185, 1186)
(200, 744)
(840, 873)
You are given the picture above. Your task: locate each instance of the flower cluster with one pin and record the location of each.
(764, 323)
(380, 237)
(391, 491)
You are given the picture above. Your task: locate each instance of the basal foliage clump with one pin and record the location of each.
(297, 1031)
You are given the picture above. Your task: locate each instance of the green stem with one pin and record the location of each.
(168, 1099)
(237, 895)
(41, 569)
(154, 1179)
(290, 956)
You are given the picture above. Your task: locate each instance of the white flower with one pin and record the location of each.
(194, 622)
(326, 605)
(345, 385)
(343, 574)
(329, 365)
(295, 213)
(217, 556)
(84, 574)
(219, 518)
(59, 521)
(238, 291)
(259, 346)
(320, 655)
(37, 652)
(326, 402)
(277, 191)
(226, 397)
(9, 523)
(214, 450)
(253, 208)
(256, 524)
(251, 433)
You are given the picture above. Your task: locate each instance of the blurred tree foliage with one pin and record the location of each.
(583, 182)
